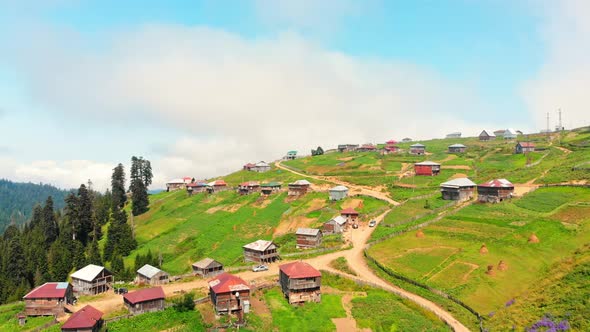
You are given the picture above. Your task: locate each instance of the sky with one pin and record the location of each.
(202, 87)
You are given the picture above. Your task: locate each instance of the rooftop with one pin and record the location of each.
(299, 270)
(460, 182)
(225, 283)
(417, 145)
(148, 271)
(51, 290)
(427, 163)
(340, 220)
(88, 273)
(205, 262)
(457, 146)
(339, 188)
(301, 183)
(349, 211)
(84, 318)
(259, 245)
(497, 183)
(146, 294)
(307, 231)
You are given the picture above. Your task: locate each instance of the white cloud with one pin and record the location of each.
(563, 79)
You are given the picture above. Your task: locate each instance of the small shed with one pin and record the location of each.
(207, 267)
(196, 187)
(429, 168)
(87, 319)
(300, 282)
(347, 147)
(524, 147)
(270, 187)
(368, 147)
(418, 149)
(308, 238)
(458, 189)
(261, 167)
(216, 186)
(91, 280)
(151, 275)
(457, 148)
(48, 299)
(337, 193)
(350, 214)
(510, 134)
(145, 300)
(454, 135)
(495, 191)
(291, 155)
(299, 187)
(223, 290)
(261, 251)
(390, 147)
(486, 135)
(335, 225)
(248, 187)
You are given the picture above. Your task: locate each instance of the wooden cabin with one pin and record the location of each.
(291, 155)
(335, 225)
(418, 149)
(510, 134)
(207, 267)
(87, 319)
(49, 299)
(457, 148)
(150, 275)
(249, 187)
(458, 189)
(347, 147)
(486, 136)
(308, 238)
(217, 186)
(368, 147)
(300, 282)
(428, 168)
(223, 290)
(145, 300)
(270, 188)
(91, 280)
(196, 187)
(390, 147)
(260, 167)
(350, 214)
(261, 251)
(337, 193)
(299, 188)
(524, 147)
(176, 184)
(248, 166)
(495, 191)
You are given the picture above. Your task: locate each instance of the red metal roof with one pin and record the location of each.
(298, 270)
(391, 142)
(497, 183)
(349, 211)
(250, 184)
(527, 144)
(49, 290)
(144, 295)
(225, 283)
(83, 318)
(220, 183)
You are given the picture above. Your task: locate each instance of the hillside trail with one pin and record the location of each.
(363, 190)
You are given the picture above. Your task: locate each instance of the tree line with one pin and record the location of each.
(56, 242)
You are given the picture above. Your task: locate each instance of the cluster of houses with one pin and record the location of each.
(462, 189)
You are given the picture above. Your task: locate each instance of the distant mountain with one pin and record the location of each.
(18, 199)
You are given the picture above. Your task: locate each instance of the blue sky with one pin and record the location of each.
(86, 84)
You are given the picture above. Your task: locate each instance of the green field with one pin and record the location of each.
(9, 322)
(168, 319)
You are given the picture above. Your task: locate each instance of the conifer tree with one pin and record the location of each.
(50, 228)
(118, 186)
(85, 220)
(141, 177)
(94, 253)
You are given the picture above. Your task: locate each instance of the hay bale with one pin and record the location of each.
(502, 266)
(533, 239)
(483, 250)
(420, 234)
(490, 270)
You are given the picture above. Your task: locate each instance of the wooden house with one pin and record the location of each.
(429, 168)
(495, 191)
(417, 149)
(524, 147)
(308, 238)
(300, 282)
(207, 267)
(458, 189)
(291, 155)
(196, 187)
(216, 186)
(150, 275)
(87, 319)
(457, 148)
(176, 184)
(91, 280)
(454, 135)
(499, 132)
(145, 300)
(248, 166)
(48, 299)
(260, 167)
(347, 147)
(261, 251)
(510, 134)
(335, 225)
(350, 214)
(299, 188)
(486, 135)
(270, 187)
(390, 147)
(223, 290)
(337, 193)
(368, 147)
(248, 187)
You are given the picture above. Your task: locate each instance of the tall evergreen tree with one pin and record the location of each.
(118, 186)
(141, 177)
(71, 216)
(85, 216)
(94, 253)
(119, 236)
(50, 228)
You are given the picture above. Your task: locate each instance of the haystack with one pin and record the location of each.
(490, 270)
(533, 238)
(502, 266)
(420, 234)
(483, 250)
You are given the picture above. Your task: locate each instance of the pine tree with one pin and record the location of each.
(119, 236)
(117, 264)
(141, 177)
(59, 261)
(71, 216)
(50, 228)
(85, 219)
(118, 186)
(94, 253)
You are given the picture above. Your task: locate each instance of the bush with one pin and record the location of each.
(186, 303)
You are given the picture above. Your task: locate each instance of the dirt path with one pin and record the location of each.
(347, 323)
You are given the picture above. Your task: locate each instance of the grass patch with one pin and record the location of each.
(161, 320)
(341, 264)
(9, 322)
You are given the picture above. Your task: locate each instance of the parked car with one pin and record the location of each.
(355, 226)
(121, 291)
(259, 268)
(372, 223)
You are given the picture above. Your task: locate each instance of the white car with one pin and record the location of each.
(259, 268)
(372, 223)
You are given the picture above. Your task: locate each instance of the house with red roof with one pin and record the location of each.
(216, 186)
(390, 147)
(87, 319)
(495, 191)
(368, 147)
(524, 147)
(300, 282)
(249, 187)
(145, 300)
(428, 168)
(229, 294)
(196, 187)
(350, 214)
(49, 299)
